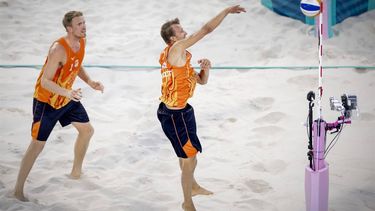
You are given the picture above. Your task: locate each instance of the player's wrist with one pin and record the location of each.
(90, 82)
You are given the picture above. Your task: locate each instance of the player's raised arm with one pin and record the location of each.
(208, 27)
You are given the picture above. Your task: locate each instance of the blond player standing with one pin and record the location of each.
(55, 100)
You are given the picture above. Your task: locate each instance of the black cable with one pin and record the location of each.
(310, 154)
(334, 141)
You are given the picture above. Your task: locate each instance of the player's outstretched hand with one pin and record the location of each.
(236, 9)
(97, 85)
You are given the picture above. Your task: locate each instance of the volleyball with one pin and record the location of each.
(310, 8)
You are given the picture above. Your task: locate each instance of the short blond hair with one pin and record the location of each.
(167, 31)
(68, 17)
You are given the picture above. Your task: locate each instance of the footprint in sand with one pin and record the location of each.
(256, 204)
(361, 70)
(4, 170)
(367, 196)
(59, 139)
(16, 150)
(270, 118)
(271, 53)
(214, 138)
(228, 120)
(4, 4)
(273, 167)
(257, 144)
(144, 181)
(220, 160)
(303, 80)
(56, 180)
(262, 205)
(39, 189)
(261, 103)
(232, 120)
(163, 152)
(15, 110)
(88, 185)
(258, 186)
(163, 197)
(267, 131)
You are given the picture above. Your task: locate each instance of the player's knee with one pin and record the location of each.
(188, 164)
(87, 130)
(90, 130)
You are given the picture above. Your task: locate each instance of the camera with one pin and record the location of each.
(346, 106)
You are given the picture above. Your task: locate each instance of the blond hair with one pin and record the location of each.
(167, 31)
(68, 17)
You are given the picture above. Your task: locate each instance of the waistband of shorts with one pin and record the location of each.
(36, 100)
(187, 108)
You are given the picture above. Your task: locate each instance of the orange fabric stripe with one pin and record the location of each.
(175, 130)
(35, 130)
(183, 120)
(189, 149)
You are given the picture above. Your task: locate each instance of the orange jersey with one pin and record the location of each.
(178, 83)
(64, 76)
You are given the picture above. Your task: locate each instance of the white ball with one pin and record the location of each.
(310, 8)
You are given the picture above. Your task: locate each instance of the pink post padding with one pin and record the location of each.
(319, 144)
(316, 189)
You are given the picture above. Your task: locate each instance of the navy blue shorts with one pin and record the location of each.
(45, 117)
(180, 128)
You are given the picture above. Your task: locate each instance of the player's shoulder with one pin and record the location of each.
(178, 48)
(57, 49)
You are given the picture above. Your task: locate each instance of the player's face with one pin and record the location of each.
(79, 27)
(179, 32)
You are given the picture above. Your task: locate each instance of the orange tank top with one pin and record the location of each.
(178, 83)
(64, 76)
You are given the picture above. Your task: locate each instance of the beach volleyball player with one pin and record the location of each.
(55, 100)
(178, 83)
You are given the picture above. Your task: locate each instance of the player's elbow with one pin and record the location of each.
(207, 29)
(202, 82)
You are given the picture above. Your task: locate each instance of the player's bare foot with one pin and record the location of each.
(188, 207)
(20, 197)
(200, 191)
(75, 175)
